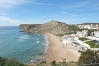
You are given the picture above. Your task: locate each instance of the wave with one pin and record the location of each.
(37, 40)
(39, 55)
(47, 43)
(23, 38)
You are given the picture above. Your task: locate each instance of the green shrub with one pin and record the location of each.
(53, 62)
(9, 62)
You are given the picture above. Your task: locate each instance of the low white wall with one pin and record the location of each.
(95, 49)
(82, 43)
(93, 38)
(65, 42)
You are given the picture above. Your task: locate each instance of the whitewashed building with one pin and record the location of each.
(84, 26)
(84, 33)
(91, 26)
(96, 34)
(67, 39)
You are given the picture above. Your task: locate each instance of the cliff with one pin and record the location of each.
(29, 27)
(54, 27)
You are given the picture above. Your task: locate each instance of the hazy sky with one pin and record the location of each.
(16, 12)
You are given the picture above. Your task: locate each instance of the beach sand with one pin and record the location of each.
(57, 50)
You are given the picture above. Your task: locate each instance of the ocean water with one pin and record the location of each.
(21, 46)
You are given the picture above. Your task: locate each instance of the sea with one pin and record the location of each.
(21, 46)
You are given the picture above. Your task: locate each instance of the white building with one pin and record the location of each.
(84, 33)
(87, 27)
(67, 39)
(84, 26)
(96, 34)
(91, 26)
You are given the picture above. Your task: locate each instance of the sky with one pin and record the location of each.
(16, 12)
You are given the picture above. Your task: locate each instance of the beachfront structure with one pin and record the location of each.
(83, 33)
(69, 39)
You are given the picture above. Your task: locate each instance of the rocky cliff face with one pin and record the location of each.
(54, 27)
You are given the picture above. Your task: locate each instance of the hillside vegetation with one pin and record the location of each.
(10, 62)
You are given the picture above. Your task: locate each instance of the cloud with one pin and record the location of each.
(5, 4)
(6, 21)
(9, 21)
(34, 2)
(3, 14)
(63, 12)
(37, 3)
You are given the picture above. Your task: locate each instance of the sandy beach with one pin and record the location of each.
(57, 50)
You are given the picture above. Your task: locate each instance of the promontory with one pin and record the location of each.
(53, 27)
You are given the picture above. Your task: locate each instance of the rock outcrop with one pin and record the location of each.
(54, 27)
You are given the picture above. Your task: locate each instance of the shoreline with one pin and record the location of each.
(57, 51)
(47, 43)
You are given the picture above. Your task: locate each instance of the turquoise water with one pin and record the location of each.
(22, 46)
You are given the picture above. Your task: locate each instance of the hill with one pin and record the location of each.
(54, 27)
(90, 23)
